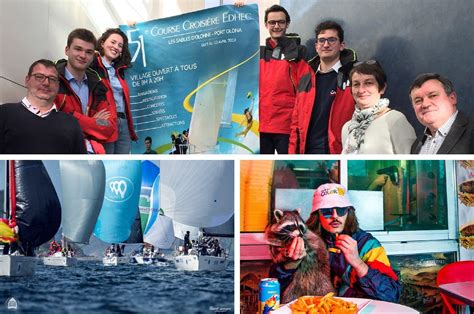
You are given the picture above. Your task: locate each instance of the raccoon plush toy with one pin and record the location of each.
(312, 277)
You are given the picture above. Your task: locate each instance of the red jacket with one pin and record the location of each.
(279, 77)
(98, 65)
(341, 109)
(101, 131)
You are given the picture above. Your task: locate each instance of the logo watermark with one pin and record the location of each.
(12, 304)
(217, 309)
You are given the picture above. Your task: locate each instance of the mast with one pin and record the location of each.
(5, 192)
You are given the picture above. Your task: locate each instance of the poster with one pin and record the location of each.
(465, 195)
(196, 72)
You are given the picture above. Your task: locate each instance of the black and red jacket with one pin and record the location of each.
(99, 66)
(67, 101)
(342, 106)
(281, 67)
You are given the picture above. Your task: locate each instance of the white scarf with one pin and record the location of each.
(361, 119)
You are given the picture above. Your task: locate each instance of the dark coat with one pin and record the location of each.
(460, 139)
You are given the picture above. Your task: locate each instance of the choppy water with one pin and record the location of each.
(91, 287)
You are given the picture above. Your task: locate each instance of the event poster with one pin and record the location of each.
(196, 72)
(465, 193)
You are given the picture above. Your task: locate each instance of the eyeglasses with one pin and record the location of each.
(41, 77)
(369, 62)
(327, 212)
(330, 40)
(280, 22)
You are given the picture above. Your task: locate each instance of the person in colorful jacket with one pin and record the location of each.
(281, 66)
(113, 59)
(82, 92)
(324, 101)
(359, 264)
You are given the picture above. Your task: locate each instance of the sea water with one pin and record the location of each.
(91, 287)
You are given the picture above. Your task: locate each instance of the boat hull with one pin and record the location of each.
(148, 260)
(115, 260)
(200, 263)
(60, 261)
(17, 266)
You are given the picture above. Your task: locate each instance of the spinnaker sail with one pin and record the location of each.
(34, 204)
(197, 193)
(150, 173)
(83, 186)
(122, 193)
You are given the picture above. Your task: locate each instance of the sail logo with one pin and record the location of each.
(119, 189)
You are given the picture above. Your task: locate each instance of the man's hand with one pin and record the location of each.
(379, 182)
(295, 253)
(104, 114)
(348, 246)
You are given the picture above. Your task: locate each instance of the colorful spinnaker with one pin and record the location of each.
(122, 193)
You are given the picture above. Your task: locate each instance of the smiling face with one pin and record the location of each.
(279, 27)
(433, 107)
(42, 91)
(112, 47)
(80, 54)
(365, 90)
(329, 52)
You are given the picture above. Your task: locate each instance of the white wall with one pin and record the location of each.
(35, 29)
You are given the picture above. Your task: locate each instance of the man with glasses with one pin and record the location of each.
(34, 126)
(447, 130)
(324, 101)
(82, 94)
(359, 265)
(281, 67)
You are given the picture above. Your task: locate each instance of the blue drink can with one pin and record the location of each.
(269, 295)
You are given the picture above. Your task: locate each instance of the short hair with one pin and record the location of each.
(148, 139)
(350, 227)
(330, 25)
(44, 62)
(125, 58)
(83, 34)
(370, 67)
(277, 8)
(422, 78)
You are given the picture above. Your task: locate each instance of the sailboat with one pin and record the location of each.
(158, 229)
(199, 194)
(120, 206)
(33, 216)
(83, 187)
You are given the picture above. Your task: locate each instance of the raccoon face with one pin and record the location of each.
(288, 225)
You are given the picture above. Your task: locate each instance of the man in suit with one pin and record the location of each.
(448, 131)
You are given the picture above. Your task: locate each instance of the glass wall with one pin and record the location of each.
(414, 191)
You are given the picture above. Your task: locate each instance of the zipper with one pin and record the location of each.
(291, 79)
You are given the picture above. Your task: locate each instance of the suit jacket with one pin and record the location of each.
(460, 139)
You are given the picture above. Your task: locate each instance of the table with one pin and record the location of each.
(461, 291)
(365, 306)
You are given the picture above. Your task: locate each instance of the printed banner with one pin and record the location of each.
(465, 190)
(196, 72)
